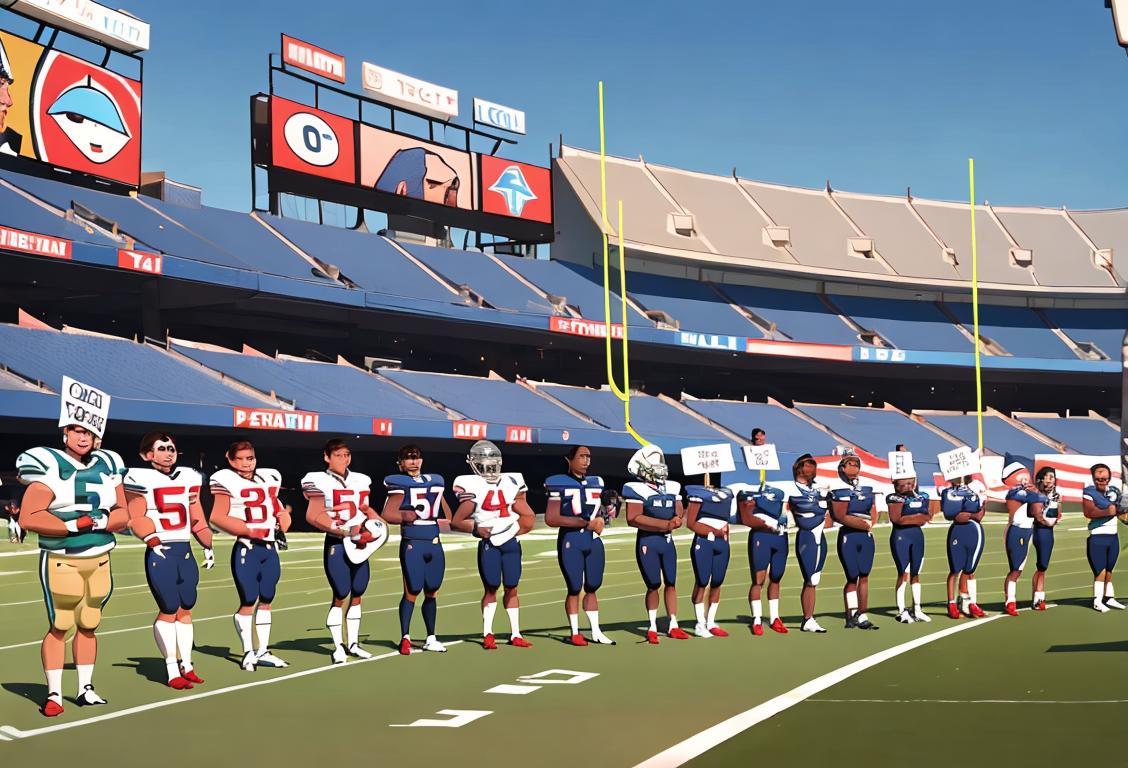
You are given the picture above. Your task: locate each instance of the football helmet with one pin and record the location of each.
(648, 464)
(485, 459)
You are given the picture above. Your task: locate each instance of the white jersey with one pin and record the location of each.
(1105, 525)
(491, 500)
(350, 491)
(253, 501)
(168, 499)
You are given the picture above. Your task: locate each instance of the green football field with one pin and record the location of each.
(1038, 687)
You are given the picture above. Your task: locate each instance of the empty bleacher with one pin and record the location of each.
(790, 433)
(905, 324)
(650, 416)
(878, 431)
(478, 271)
(798, 316)
(580, 287)
(695, 306)
(1018, 330)
(999, 436)
(21, 213)
(1103, 327)
(1083, 434)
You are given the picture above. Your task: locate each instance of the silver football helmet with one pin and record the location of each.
(648, 464)
(485, 459)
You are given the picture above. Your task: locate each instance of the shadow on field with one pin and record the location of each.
(150, 667)
(1116, 646)
(34, 692)
(218, 651)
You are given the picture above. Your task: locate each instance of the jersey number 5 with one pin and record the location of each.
(173, 514)
(343, 497)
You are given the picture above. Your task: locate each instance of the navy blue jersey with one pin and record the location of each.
(423, 494)
(577, 497)
(716, 503)
(1050, 505)
(859, 499)
(957, 499)
(767, 498)
(658, 504)
(1024, 496)
(913, 503)
(808, 506)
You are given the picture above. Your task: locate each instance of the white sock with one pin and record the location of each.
(972, 591)
(593, 620)
(1108, 590)
(164, 632)
(964, 600)
(243, 624)
(673, 622)
(262, 629)
(574, 621)
(699, 611)
(901, 597)
(757, 610)
(1098, 590)
(863, 617)
(333, 622)
(653, 616)
(712, 618)
(1039, 597)
(488, 611)
(85, 676)
(185, 639)
(852, 601)
(916, 594)
(773, 608)
(352, 625)
(514, 621)
(54, 682)
(1011, 588)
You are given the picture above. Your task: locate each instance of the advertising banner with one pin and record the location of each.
(312, 141)
(409, 92)
(307, 56)
(505, 118)
(515, 189)
(410, 167)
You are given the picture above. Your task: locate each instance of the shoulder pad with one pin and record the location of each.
(673, 486)
(637, 491)
(191, 475)
(465, 482)
(272, 476)
(518, 480)
(36, 463)
(894, 498)
(309, 484)
(224, 478)
(436, 479)
(363, 478)
(1018, 494)
(697, 492)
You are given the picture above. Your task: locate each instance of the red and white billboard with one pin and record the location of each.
(469, 430)
(307, 56)
(139, 261)
(515, 189)
(382, 427)
(312, 141)
(577, 326)
(36, 244)
(515, 434)
(270, 418)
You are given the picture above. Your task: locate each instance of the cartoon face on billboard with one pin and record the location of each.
(87, 118)
(410, 167)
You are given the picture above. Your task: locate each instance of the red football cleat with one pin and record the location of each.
(1012, 609)
(777, 626)
(180, 684)
(51, 708)
(489, 643)
(678, 634)
(975, 611)
(717, 632)
(757, 629)
(193, 678)
(954, 612)
(1040, 605)
(652, 637)
(405, 646)
(578, 640)
(520, 642)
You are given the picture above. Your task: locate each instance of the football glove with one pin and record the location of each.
(280, 538)
(209, 559)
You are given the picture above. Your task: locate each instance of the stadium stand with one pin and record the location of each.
(1108, 230)
(580, 286)
(797, 315)
(950, 223)
(476, 270)
(790, 433)
(1061, 257)
(695, 306)
(20, 212)
(906, 324)
(1018, 330)
(999, 435)
(1102, 327)
(880, 430)
(1084, 434)
(650, 416)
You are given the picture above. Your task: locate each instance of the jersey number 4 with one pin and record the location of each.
(172, 514)
(495, 502)
(255, 503)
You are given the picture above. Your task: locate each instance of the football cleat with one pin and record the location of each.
(192, 677)
(520, 642)
(53, 707)
(180, 683)
(602, 639)
(1100, 607)
(489, 643)
(975, 611)
(701, 630)
(866, 624)
(1011, 609)
(678, 633)
(269, 659)
(758, 628)
(905, 617)
(1112, 602)
(88, 697)
(249, 661)
(652, 636)
(920, 615)
(432, 644)
(954, 612)
(405, 646)
(777, 626)
(810, 625)
(577, 640)
(851, 621)
(1039, 606)
(360, 653)
(718, 632)
(339, 655)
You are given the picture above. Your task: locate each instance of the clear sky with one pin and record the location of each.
(875, 95)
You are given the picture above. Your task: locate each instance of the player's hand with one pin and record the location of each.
(80, 524)
(595, 525)
(365, 538)
(257, 533)
(724, 533)
(674, 524)
(156, 546)
(409, 516)
(209, 559)
(482, 532)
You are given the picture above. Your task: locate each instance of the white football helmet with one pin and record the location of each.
(485, 459)
(648, 464)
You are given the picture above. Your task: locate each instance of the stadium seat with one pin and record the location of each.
(1017, 329)
(879, 431)
(788, 432)
(1083, 434)
(18, 212)
(695, 306)
(478, 271)
(580, 286)
(650, 416)
(798, 316)
(906, 324)
(1103, 327)
(999, 436)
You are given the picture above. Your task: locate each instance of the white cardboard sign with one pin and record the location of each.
(761, 457)
(701, 459)
(901, 465)
(84, 405)
(958, 463)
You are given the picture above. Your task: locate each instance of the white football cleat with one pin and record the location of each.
(432, 644)
(702, 631)
(1100, 607)
(249, 661)
(339, 655)
(920, 615)
(602, 639)
(360, 653)
(88, 697)
(1112, 602)
(810, 625)
(269, 659)
(905, 617)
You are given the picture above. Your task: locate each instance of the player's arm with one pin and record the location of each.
(119, 512)
(952, 507)
(1094, 509)
(873, 512)
(555, 519)
(462, 520)
(34, 515)
(894, 508)
(142, 527)
(839, 511)
(1013, 505)
(282, 515)
(746, 508)
(198, 522)
(978, 514)
(637, 519)
(221, 517)
(318, 516)
(691, 519)
(1037, 511)
(527, 517)
(392, 511)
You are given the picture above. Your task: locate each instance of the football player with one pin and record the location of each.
(576, 505)
(415, 501)
(808, 506)
(854, 507)
(908, 511)
(709, 514)
(338, 505)
(492, 506)
(75, 502)
(165, 513)
(1045, 521)
(654, 507)
(1101, 504)
(761, 509)
(246, 506)
(962, 505)
(1024, 501)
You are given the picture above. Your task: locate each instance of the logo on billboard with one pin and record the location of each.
(381, 426)
(139, 261)
(512, 186)
(313, 59)
(410, 92)
(312, 139)
(269, 418)
(505, 118)
(469, 430)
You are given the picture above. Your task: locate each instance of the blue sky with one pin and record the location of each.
(875, 95)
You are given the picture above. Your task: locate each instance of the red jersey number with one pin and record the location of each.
(255, 503)
(495, 502)
(343, 497)
(171, 514)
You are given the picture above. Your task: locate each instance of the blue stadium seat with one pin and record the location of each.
(490, 400)
(478, 271)
(905, 324)
(20, 213)
(788, 432)
(120, 367)
(879, 431)
(799, 315)
(694, 305)
(1018, 329)
(999, 436)
(1083, 434)
(649, 415)
(580, 286)
(1103, 327)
